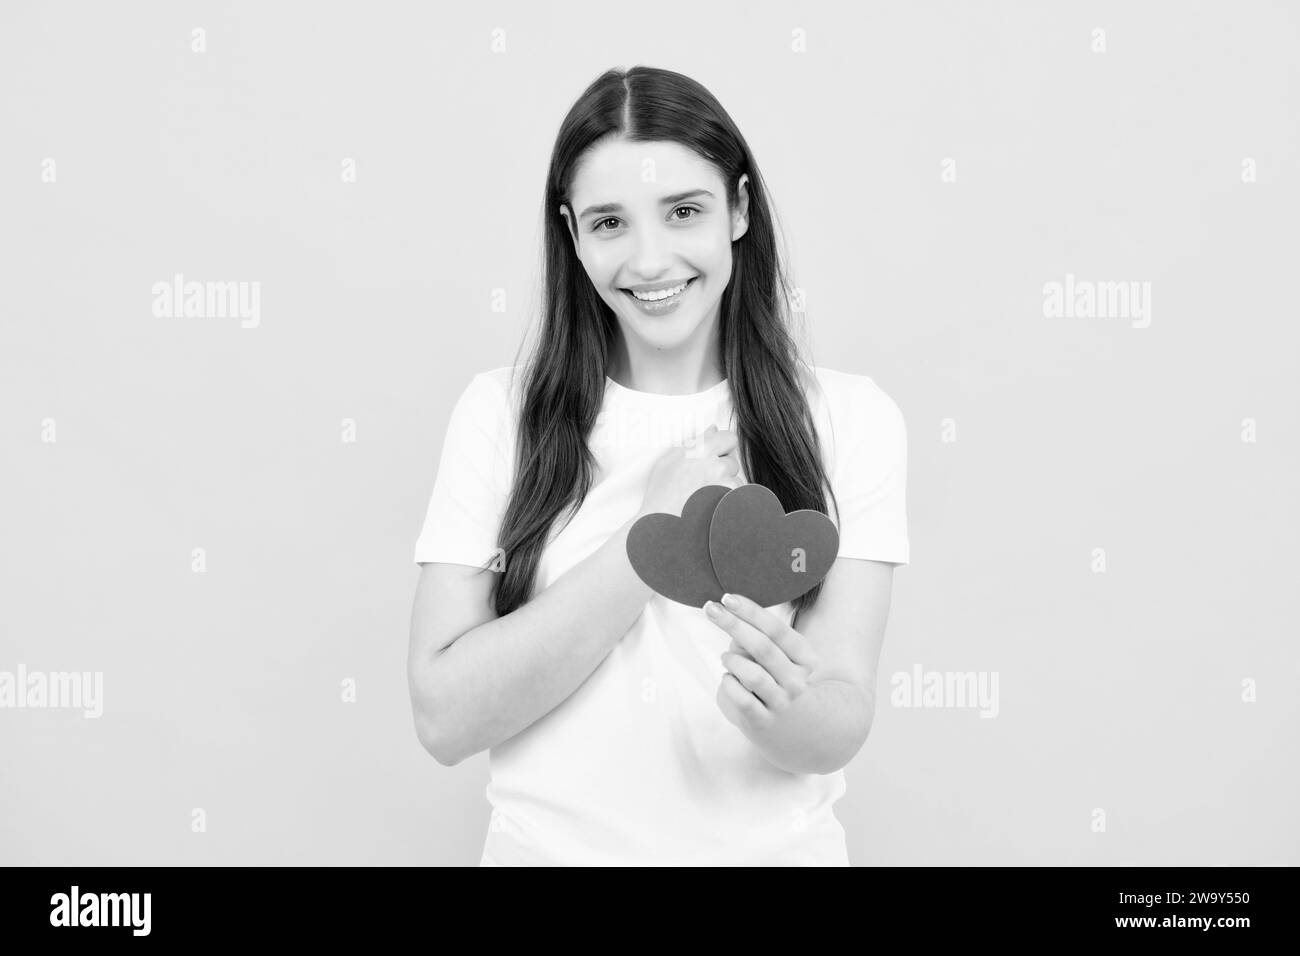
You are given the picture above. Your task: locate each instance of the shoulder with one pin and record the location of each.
(494, 382)
(853, 400)
(484, 409)
(491, 393)
(860, 425)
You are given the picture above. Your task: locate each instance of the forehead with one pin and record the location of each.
(620, 170)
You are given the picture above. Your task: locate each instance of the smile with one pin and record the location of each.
(661, 301)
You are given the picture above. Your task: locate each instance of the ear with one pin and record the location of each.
(740, 216)
(568, 221)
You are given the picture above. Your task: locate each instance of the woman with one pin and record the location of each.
(622, 727)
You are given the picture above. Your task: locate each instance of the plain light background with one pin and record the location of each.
(1120, 691)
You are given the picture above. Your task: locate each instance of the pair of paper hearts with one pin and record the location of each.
(733, 540)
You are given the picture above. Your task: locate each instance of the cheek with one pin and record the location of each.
(711, 254)
(601, 263)
(709, 251)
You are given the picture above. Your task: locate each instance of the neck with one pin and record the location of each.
(679, 372)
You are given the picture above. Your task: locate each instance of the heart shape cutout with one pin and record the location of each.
(671, 554)
(765, 554)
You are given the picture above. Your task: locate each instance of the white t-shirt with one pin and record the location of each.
(639, 766)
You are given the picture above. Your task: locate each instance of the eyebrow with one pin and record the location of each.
(667, 200)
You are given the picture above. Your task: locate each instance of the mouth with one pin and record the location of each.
(660, 298)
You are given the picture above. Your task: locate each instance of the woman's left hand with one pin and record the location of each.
(769, 663)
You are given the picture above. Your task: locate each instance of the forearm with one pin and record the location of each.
(500, 677)
(821, 730)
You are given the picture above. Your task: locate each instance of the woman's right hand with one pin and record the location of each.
(683, 469)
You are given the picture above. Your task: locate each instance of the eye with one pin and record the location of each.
(597, 226)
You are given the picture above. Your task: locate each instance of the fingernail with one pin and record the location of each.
(729, 600)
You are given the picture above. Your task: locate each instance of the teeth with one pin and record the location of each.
(663, 294)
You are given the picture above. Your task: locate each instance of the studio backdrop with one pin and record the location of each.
(1062, 238)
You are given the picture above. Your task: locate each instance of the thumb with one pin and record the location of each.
(694, 442)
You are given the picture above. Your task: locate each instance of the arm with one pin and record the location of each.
(477, 679)
(826, 724)
(821, 721)
(822, 730)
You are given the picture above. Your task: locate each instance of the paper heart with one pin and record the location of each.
(671, 554)
(765, 554)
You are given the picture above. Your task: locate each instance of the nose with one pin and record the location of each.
(650, 256)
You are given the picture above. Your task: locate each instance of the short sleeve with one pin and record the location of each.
(869, 473)
(471, 488)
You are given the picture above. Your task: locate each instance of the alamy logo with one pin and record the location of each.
(39, 689)
(946, 689)
(634, 428)
(102, 909)
(179, 299)
(1084, 299)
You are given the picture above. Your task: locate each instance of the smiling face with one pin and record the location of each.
(651, 218)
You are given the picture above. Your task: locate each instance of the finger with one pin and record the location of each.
(724, 442)
(795, 646)
(735, 648)
(749, 706)
(725, 468)
(757, 645)
(699, 441)
(727, 704)
(717, 441)
(757, 681)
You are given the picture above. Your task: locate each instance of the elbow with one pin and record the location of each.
(830, 761)
(857, 731)
(432, 728)
(437, 743)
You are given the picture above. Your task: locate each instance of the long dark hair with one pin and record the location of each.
(563, 381)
